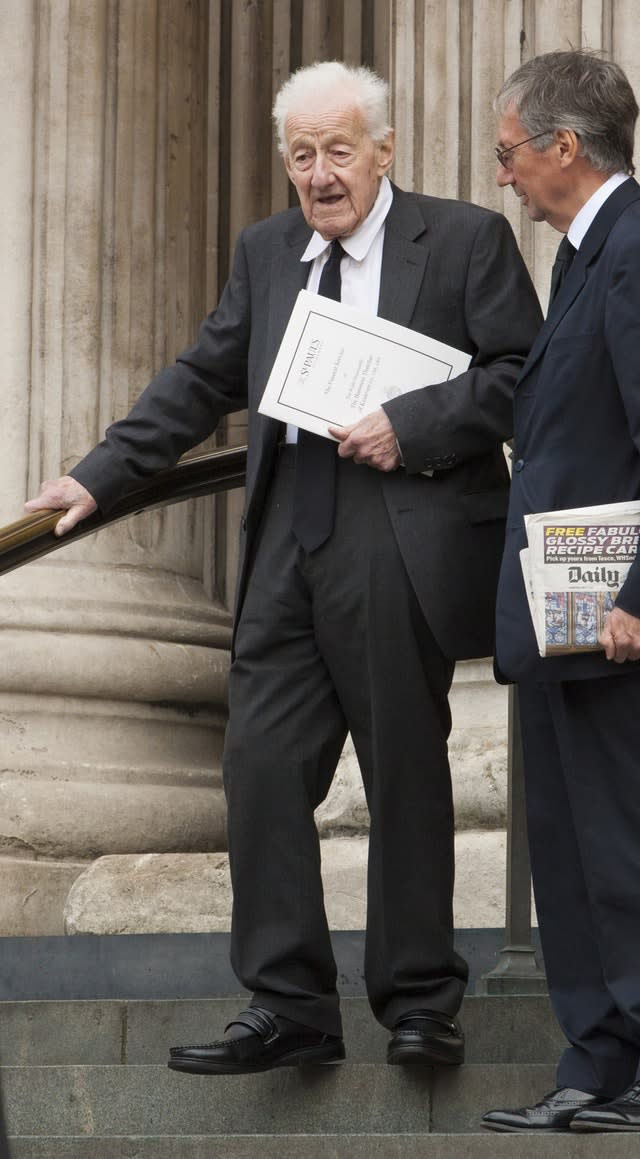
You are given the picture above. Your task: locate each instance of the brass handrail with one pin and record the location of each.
(33, 536)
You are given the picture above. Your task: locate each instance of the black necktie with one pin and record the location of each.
(315, 484)
(564, 257)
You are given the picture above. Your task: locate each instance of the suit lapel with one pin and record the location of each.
(288, 276)
(403, 266)
(592, 243)
(403, 262)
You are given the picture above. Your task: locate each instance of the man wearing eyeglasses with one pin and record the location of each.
(566, 134)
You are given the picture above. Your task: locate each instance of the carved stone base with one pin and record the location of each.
(112, 720)
(33, 894)
(191, 893)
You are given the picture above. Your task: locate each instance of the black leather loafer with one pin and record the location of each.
(427, 1037)
(264, 1040)
(621, 1114)
(554, 1112)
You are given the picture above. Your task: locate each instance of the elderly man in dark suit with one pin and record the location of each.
(566, 138)
(369, 565)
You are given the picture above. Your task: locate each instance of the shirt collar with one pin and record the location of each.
(584, 218)
(358, 244)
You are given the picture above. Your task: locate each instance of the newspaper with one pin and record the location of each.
(573, 568)
(337, 364)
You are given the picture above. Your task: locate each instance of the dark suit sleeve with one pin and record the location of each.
(444, 424)
(622, 337)
(183, 404)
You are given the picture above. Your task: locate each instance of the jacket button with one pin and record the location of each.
(518, 465)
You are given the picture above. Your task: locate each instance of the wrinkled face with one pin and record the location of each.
(533, 174)
(335, 167)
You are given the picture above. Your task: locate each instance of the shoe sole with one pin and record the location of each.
(525, 1130)
(589, 1128)
(419, 1056)
(312, 1056)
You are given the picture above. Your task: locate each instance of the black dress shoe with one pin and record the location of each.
(621, 1114)
(427, 1037)
(259, 1041)
(554, 1112)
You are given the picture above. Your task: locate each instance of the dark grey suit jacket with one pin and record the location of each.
(450, 270)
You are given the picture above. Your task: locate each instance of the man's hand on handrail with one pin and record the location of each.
(66, 511)
(64, 494)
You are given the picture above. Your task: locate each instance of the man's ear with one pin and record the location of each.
(568, 145)
(385, 153)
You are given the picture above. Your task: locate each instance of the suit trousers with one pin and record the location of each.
(329, 642)
(582, 774)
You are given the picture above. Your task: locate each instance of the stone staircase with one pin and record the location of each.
(88, 1080)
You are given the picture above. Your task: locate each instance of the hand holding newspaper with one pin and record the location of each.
(337, 364)
(573, 568)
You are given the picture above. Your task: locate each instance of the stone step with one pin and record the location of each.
(355, 1098)
(391, 1146)
(498, 1030)
(168, 966)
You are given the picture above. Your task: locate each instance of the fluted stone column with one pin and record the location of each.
(114, 656)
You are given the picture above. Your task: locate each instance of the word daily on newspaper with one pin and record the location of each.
(574, 567)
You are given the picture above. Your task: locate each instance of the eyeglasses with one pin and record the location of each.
(504, 155)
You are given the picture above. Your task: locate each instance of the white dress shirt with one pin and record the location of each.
(360, 268)
(584, 218)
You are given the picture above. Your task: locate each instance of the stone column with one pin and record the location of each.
(112, 687)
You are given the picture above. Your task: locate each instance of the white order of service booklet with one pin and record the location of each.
(337, 364)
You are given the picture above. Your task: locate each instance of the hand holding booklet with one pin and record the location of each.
(576, 562)
(337, 364)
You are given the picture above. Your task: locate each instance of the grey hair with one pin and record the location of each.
(576, 90)
(324, 81)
